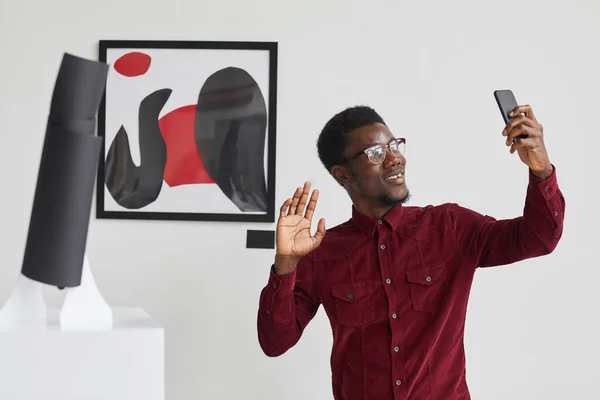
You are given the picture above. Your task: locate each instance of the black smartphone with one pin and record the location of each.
(506, 102)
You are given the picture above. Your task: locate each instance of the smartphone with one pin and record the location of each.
(506, 102)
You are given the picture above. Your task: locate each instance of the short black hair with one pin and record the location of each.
(332, 141)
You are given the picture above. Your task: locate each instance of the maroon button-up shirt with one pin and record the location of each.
(395, 291)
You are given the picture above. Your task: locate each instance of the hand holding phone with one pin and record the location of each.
(527, 134)
(506, 102)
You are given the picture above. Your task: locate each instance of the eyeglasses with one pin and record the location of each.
(377, 153)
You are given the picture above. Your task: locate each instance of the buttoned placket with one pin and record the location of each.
(383, 235)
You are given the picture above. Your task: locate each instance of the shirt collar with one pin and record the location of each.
(368, 225)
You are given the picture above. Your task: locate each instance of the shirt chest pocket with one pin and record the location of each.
(353, 303)
(426, 287)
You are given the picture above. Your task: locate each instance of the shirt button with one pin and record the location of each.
(396, 349)
(394, 315)
(428, 279)
(555, 213)
(398, 382)
(388, 281)
(380, 222)
(275, 285)
(350, 296)
(382, 246)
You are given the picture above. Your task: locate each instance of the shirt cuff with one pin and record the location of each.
(279, 289)
(283, 282)
(547, 187)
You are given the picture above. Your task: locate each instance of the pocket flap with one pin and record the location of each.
(427, 276)
(351, 292)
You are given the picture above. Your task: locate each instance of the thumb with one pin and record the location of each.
(320, 233)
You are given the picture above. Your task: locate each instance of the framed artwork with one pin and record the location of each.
(189, 131)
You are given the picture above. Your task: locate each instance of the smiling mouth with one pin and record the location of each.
(397, 178)
(399, 174)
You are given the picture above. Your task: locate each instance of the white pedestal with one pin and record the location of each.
(45, 362)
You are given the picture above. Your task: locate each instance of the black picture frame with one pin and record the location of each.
(130, 182)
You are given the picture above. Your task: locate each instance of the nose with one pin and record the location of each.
(392, 159)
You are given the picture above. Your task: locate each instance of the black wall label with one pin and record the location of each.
(260, 239)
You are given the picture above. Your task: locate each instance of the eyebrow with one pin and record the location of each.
(376, 144)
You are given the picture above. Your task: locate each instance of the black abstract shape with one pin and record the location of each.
(58, 228)
(230, 131)
(134, 186)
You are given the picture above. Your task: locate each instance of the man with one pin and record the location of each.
(394, 280)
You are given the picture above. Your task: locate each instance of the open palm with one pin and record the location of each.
(293, 227)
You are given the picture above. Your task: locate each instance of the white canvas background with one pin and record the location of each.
(184, 71)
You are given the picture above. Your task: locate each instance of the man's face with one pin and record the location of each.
(381, 184)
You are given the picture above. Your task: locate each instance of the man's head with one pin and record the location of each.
(350, 148)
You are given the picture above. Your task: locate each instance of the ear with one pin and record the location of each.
(341, 174)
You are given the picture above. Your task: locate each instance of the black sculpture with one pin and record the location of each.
(58, 228)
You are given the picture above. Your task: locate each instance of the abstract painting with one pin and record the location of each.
(189, 131)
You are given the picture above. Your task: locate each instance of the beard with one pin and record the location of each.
(388, 201)
(360, 185)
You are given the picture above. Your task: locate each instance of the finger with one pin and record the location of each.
(303, 198)
(526, 110)
(295, 201)
(512, 124)
(312, 204)
(320, 233)
(527, 143)
(520, 132)
(284, 208)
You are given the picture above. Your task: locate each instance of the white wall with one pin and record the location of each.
(430, 68)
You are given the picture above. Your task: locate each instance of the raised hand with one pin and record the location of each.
(293, 235)
(531, 147)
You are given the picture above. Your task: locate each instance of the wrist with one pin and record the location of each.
(544, 173)
(285, 264)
